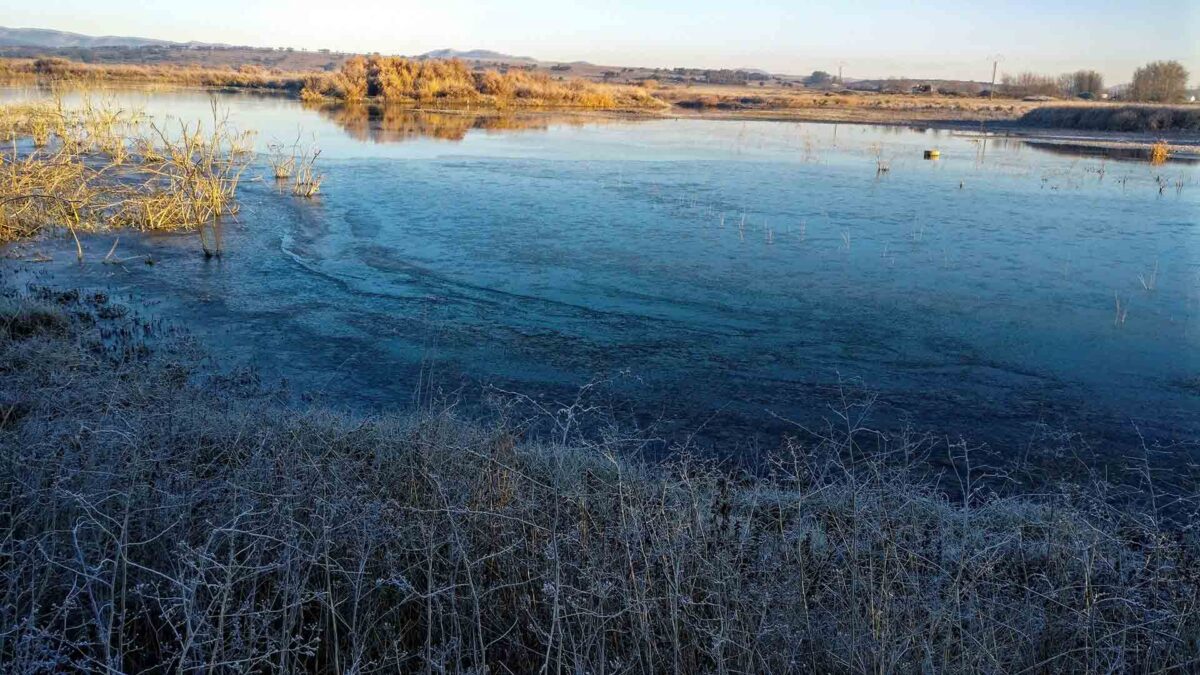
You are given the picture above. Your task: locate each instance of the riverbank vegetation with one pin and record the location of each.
(1159, 82)
(60, 70)
(1128, 118)
(452, 83)
(884, 106)
(394, 79)
(161, 515)
(1087, 83)
(97, 167)
(380, 78)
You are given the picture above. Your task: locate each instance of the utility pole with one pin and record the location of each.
(995, 65)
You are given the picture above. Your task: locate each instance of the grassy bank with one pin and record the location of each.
(903, 106)
(434, 83)
(64, 70)
(159, 516)
(1132, 118)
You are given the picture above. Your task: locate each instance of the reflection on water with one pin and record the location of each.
(397, 124)
(1135, 154)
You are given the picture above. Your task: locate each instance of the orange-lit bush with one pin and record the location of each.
(396, 79)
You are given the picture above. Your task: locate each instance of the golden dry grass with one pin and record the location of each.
(383, 78)
(97, 167)
(63, 70)
(1159, 152)
(453, 82)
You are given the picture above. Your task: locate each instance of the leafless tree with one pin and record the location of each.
(1159, 82)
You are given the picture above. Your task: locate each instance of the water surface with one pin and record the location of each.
(723, 276)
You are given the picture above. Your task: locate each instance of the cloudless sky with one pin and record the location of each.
(873, 38)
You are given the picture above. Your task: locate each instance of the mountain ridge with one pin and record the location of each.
(60, 39)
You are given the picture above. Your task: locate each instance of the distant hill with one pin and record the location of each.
(476, 55)
(57, 39)
(60, 39)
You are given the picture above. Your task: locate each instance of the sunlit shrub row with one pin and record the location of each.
(453, 81)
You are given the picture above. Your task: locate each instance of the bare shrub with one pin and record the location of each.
(1030, 84)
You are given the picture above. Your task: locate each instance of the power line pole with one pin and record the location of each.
(995, 65)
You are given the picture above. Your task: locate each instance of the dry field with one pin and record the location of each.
(848, 106)
(57, 70)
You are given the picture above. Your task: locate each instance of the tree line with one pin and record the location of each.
(1157, 82)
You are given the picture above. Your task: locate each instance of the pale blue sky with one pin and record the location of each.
(874, 38)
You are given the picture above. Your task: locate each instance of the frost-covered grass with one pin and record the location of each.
(158, 517)
(1116, 118)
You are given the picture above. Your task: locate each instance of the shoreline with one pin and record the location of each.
(1183, 145)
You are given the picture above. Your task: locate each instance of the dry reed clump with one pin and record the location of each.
(42, 188)
(282, 160)
(453, 82)
(100, 167)
(308, 181)
(1159, 152)
(299, 163)
(36, 121)
(159, 517)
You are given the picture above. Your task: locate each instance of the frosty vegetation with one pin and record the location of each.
(158, 516)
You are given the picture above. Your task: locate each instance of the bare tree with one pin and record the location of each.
(1086, 82)
(1160, 82)
(1030, 84)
